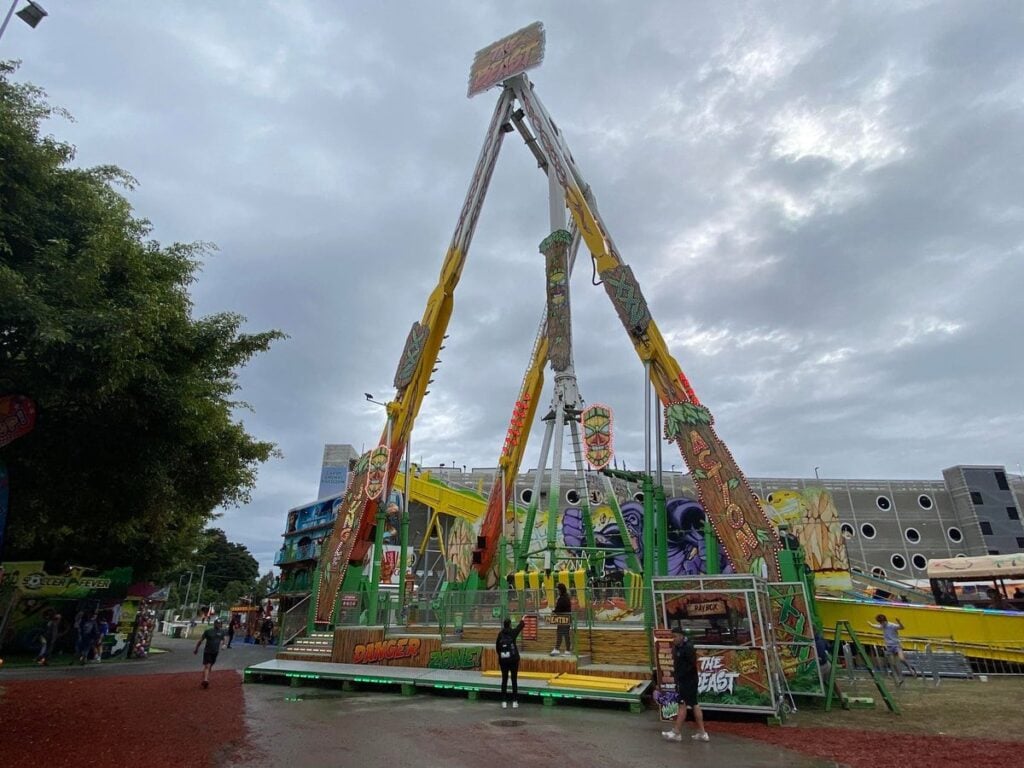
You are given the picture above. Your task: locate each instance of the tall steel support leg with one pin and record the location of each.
(538, 482)
(581, 485)
(554, 491)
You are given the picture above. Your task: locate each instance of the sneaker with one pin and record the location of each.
(672, 735)
(504, 705)
(205, 684)
(555, 652)
(515, 705)
(700, 736)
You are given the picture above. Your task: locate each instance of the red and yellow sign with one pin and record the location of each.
(385, 650)
(506, 58)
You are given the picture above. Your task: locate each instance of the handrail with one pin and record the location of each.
(285, 635)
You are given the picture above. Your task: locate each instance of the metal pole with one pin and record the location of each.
(7, 18)
(647, 417)
(403, 540)
(188, 589)
(202, 576)
(378, 542)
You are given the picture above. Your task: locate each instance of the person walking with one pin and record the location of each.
(508, 660)
(563, 607)
(48, 640)
(232, 628)
(684, 670)
(213, 636)
(894, 657)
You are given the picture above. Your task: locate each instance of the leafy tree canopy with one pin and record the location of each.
(135, 443)
(226, 561)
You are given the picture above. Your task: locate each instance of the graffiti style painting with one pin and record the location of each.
(812, 517)
(686, 555)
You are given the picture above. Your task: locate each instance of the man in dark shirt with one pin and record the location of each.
(214, 638)
(684, 670)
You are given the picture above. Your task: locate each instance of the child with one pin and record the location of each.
(893, 648)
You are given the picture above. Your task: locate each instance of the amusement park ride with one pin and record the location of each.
(757, 623)
(748, 537)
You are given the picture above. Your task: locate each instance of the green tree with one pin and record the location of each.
(226, 561)
(136, 441)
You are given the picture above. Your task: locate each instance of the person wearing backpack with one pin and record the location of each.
(508, 660)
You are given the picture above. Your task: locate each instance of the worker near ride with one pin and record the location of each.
(508, 660)
(563, 607)
(684, 670)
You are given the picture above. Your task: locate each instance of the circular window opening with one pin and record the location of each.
(883, 503)
(925, 502)
(855, 569)
(880, 572)
(848, 531)
(898, 562)
(912, 535)
(526, 496)
(959, 554)
(572, 496)
(638, 496)
(955, 534)
(920, 561)
(867, 531)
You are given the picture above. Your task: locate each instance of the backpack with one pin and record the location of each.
(506, 648)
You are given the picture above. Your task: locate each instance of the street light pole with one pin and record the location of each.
(816, 473)
(199, 595)
(31, 14)
(188, 590)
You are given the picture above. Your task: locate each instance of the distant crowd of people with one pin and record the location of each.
(89, 633)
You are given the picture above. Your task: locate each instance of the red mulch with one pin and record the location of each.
(882, 749)
(158, 720)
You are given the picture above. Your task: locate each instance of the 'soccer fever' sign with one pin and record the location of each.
(506, 58)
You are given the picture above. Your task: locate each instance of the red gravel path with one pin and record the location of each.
(155, 720)
(882, 749)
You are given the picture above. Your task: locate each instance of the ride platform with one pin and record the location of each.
(548, 688)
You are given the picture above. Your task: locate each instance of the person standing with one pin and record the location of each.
(684, 670)
(102, 630)
(232, 628)
(508, 661)
(213, 636)
(88, 632)
(49, 640)
(563, 607)
(893, 647)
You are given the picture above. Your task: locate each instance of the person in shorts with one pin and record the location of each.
(893, 647)
(684, 670)
(214, 637)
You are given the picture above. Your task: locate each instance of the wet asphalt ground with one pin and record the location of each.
(319, 726)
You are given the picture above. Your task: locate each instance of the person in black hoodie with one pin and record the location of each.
(508, 660)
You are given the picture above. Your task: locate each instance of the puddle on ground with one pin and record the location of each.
(316, 696)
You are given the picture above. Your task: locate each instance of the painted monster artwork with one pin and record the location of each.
(812, 517)
(686, 555)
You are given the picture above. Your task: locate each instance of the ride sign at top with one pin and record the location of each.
(506, 58)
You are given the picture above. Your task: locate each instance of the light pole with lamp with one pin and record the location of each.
(31, 14)
(816, 473)
(378, 539)
(199, 595)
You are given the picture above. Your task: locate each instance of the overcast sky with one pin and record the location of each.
(822, 203)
